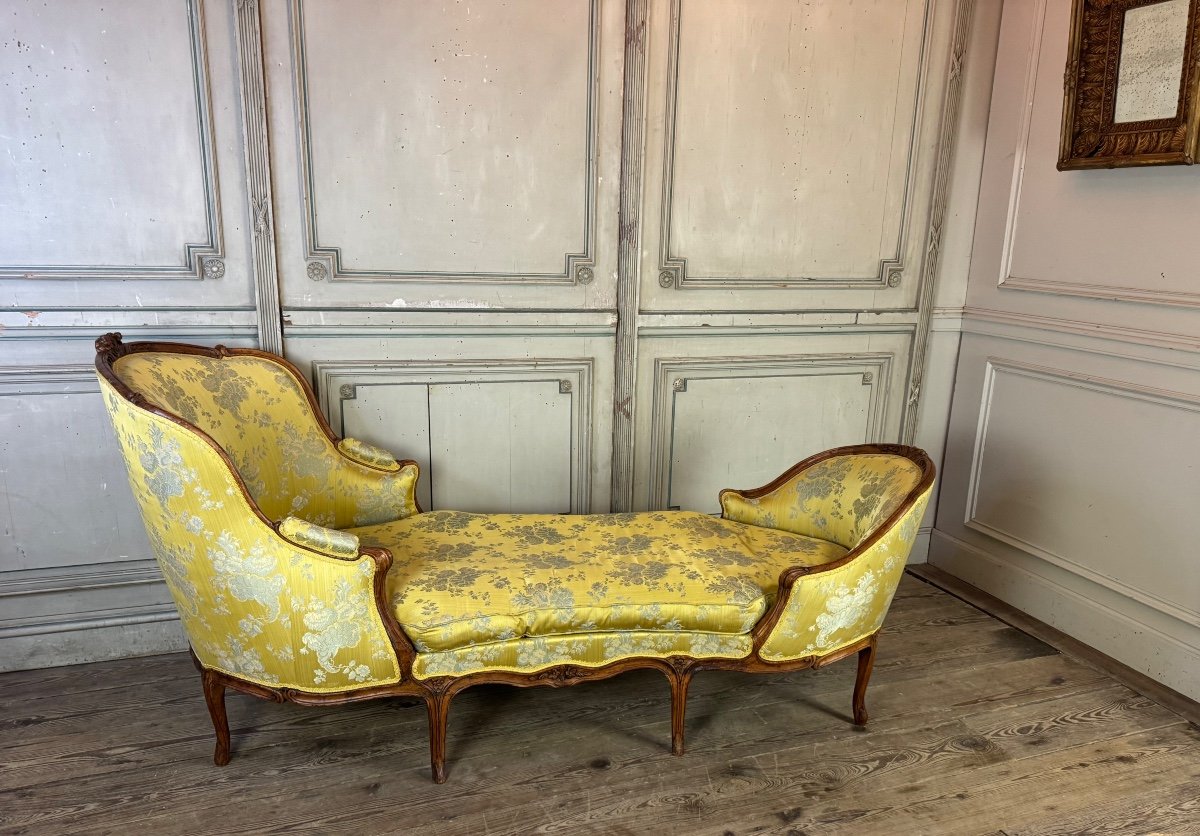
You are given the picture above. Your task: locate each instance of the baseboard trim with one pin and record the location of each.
(920, 549)
(1167, 697)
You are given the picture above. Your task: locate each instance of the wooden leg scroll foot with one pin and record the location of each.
(679, 692)
(866, 661)
(214, 695)
(438, 706)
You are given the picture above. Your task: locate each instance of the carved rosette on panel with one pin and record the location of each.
(214, 268)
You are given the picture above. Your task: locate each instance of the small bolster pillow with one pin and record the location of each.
(368, 454)
(318, 538)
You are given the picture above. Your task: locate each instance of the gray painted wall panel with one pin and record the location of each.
(439, 185)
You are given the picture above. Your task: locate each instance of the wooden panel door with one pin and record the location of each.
(446, 182)
(789, 219)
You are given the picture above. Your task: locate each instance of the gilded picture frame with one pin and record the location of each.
(1132, 79)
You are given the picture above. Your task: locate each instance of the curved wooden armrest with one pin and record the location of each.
(401, 643)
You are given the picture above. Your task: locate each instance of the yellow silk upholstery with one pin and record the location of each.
(253, 604)
(843, 499)
(462, 579)
(258, 413)
(835, 608)
(532, 654)
(368, 454)
(319, 538)
(274, 589)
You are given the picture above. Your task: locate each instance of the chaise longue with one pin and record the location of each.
(304, 571)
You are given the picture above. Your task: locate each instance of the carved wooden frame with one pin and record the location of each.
(438, 691)
(1089, 137)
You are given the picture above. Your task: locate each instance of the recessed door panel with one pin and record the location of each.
(742, 432)
(501, 447)
(395, 417)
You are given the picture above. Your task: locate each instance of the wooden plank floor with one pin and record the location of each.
(976, 729)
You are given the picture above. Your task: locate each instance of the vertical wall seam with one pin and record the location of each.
(633, 132)
(248, 24)
(947, 134)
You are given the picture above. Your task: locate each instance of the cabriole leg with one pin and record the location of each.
(679, 693)
(438, 706)
(866, 661)
(214, 695)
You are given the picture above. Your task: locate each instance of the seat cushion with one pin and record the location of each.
(461, 579)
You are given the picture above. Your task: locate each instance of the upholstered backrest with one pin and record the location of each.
(253, 604)
(842, 498)
(254, 408)
(830, 610)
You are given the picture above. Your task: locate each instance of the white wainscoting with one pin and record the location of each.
(1061, 471)
(1070, 486)
(109, 199)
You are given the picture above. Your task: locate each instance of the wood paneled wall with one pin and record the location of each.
(572, 257)
(1071, 463)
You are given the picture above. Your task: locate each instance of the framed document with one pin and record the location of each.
(1131, 84)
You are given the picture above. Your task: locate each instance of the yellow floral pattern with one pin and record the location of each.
(253, 604)
(462, 579)
(319, 538)
(842, 499)
(293, 605)
(259, 414)
(832, 609)
(589, 650)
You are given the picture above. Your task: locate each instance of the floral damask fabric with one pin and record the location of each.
(460, 579)
(584, 649)
(253, 604)
(514, 592)
(843, 499)
(319, 538)
(260, 416)
(832, 609)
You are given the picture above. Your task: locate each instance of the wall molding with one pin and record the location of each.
(964, 13)
(978, 321)
(117, 617)
(1087, 290)
(671, 376)
(629, 244)
(1116, 388)
(673, 266)
(54, 579)
(248, 23)
(132, 333)
(201, 260)
(1159, 654)
(67, 379)
(69, 580)
(337, 381)
(325, 260)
